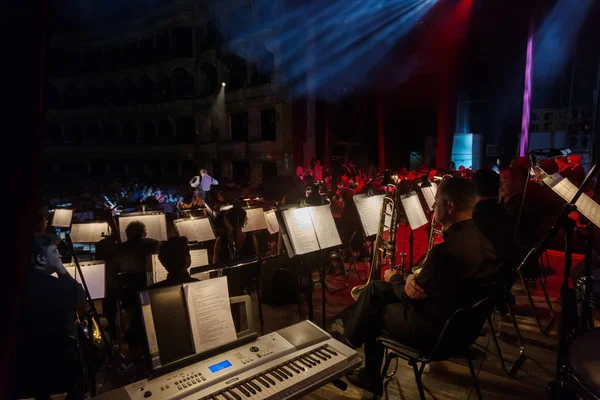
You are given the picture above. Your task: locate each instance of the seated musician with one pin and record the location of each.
(196, 202)
(135, 254)
(491, 218)
(415, 310)
(235, 244)
(174, 255)
(46, 361)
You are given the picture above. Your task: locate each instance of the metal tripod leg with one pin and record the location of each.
(543, 328)
(510, 370)
(390, 375)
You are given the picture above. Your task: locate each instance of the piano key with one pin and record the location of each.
(248, 387)
(262, 381)
(316, 354)
(306, 363)
(282, 368)
(294, 369)
(268, 379)
(235, 394)
(281, 373)
(309, 360)
(313, 359)
(238, 392)
(324, 354)
(244, 391)
(328, 349)
(267, 391)
(254, 386)
(228, 397)
(297, 365)
(276, 376)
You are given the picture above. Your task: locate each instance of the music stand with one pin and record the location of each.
(568, 317)
(306, 231)
(416, 218)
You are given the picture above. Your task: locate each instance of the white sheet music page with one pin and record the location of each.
(300, 229)
(94, 273)
(62, 218)
(196, 230)
(156, 225)
(414, 212)
(89, 232)
(324, 226)
(159, 272)
(562, 186)
(199, 258)
(256, 220)
(210, 313)
(369, 210)
(589, 208)
(272, 223)
(429, 195)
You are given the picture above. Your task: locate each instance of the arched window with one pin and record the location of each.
(146, 51)
(130, 132)
(90, 95)
(110, 93)
(186, 130)
(207, 84)
(165, 131)
(183, 83)
(93, 134)
(145, 87)
(52, 97)
(130, 55)
(72, 96)
(148, 132)
(111, 133)
(162, 87)
(237, 71)
(128, 92)
(214, 39)
(163, 47)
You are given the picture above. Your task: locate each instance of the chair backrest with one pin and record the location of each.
(462, 329)
(127, 285)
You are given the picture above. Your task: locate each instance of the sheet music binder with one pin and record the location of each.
(567, 190)
(89, 232)
(369, 211)
(155, 221)
(159, 273)
(309, 229)
(195, 229)
(414, 211)
(62, 217)
(256, 220)
(429, 194)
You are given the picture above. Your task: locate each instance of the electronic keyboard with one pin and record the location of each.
(285, 364)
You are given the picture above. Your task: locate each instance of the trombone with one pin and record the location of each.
(383, 247)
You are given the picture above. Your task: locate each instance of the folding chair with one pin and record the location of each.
(459, 333)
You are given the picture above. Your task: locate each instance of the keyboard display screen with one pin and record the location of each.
(219, 366)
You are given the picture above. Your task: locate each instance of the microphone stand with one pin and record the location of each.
(558, 388)
(91, 316)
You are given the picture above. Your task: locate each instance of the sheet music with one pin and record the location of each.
(300, 228)
(324, 226)
(226, 207)
(429, 195)
(159, 272)
(199, 258)
(62, 218)
(414, 212)
(156, 225)
(88, 232)
(210, 313)
(369, 210)
(589, 208)
(94, 273)
(562, 186)
(272, 223)
(196, 230)
(256, 220)
(149, 325)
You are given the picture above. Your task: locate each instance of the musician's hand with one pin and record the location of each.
(412, 289)
(387, 275)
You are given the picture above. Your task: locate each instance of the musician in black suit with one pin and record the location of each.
(490, 216)
(46, 360)
(174, 255)
(415, 309)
